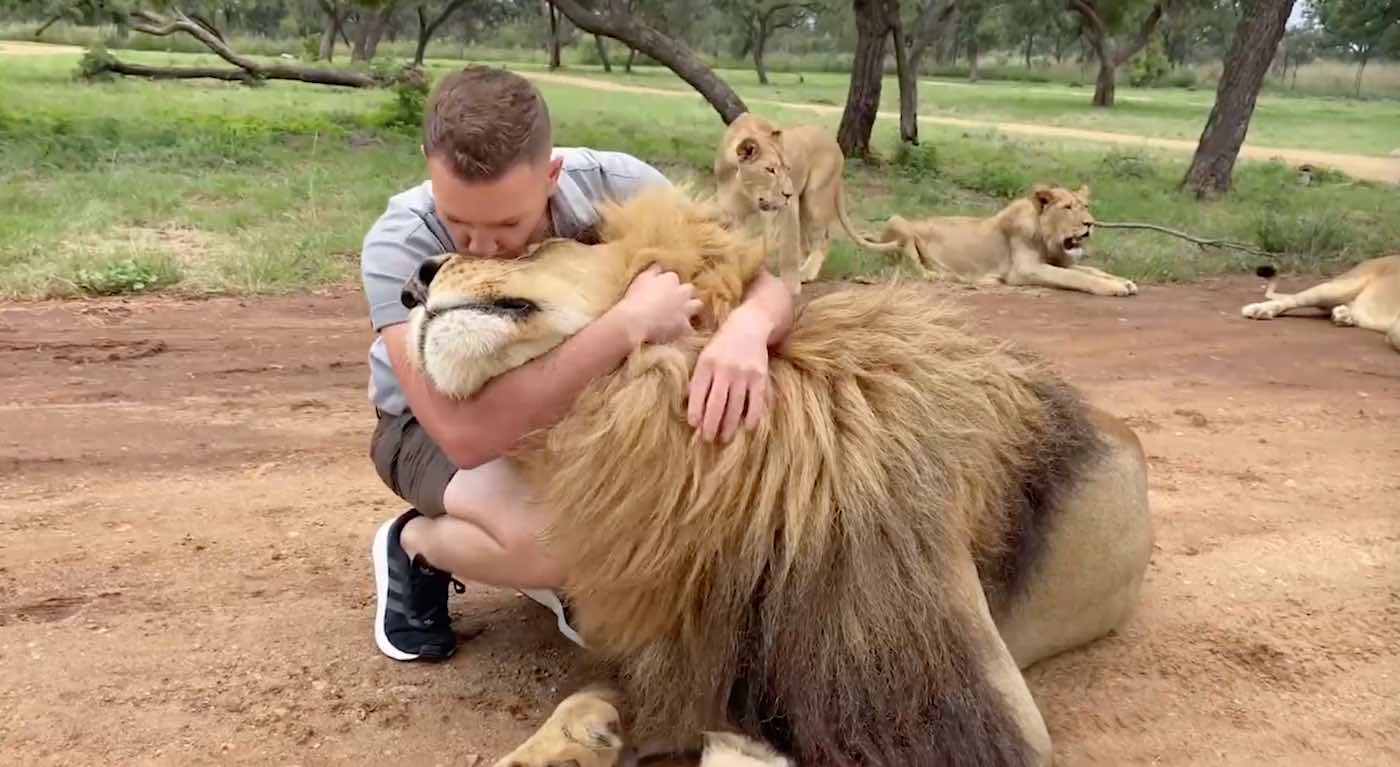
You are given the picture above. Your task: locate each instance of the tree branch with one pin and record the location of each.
(1199, 241)
(1090, 15)
(153, 24)
(631, 31)
(1149, 25)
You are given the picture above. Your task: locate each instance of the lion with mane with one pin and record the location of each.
(859, 579)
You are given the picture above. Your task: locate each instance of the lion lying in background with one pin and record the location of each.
(760, 167)
(1032, 241)
(860, 578)
(1366, 296)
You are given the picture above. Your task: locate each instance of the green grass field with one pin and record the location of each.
(203, 186)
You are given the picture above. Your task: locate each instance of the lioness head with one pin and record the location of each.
(751, 164)
(1065, 221)
(475, 318)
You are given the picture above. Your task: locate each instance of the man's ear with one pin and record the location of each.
(423, 151)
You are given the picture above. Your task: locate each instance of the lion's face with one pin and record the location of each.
(474, 318)
(761, 169)
(1065, 221)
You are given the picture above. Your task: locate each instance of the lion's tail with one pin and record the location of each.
(879, 247)
(1268, 272)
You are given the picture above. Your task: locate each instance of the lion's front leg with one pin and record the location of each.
(585, 729)
(1045, 275)
(1132, 286)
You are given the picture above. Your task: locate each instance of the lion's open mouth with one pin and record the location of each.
(1074, 244)
(769, 206)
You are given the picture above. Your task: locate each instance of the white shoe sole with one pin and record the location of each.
(550, 600)
(379, 552)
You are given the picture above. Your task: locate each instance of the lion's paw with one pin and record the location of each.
(1342, 316)
(583, 731)
(1260, 311)
(1131, 287)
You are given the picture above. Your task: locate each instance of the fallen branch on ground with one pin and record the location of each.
(247, 69)
(1199, 241)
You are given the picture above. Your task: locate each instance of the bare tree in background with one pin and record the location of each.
(1102, 20)
(617, 23)
(1255, 42)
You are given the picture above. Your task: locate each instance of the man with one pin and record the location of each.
(496, 185)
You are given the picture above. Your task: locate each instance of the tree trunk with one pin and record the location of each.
(603, 53)
(760, 41)
(41, 30)
(423, 33)
(908, 81)
(972, 54)
(1361, 70)
(1106, 83)
(631, 57)
(618, 24)
(1112, 56)
(867, 69)
(371, 30)
(1251, 51)
(555, 59)
(1030, 44)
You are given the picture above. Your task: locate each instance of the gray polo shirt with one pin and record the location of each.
(409, 232)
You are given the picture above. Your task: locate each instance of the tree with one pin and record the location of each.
(761, 18)
(875, 21)
(618, 24)
(246, 70)
(1104, 20)
(928, 25)
(428, 24)
(1360, 28)
(1252, 50)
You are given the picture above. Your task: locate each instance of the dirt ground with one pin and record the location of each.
(186, 505)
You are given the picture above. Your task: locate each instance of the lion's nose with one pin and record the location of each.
(428, 270)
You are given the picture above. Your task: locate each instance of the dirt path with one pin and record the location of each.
(23, 48)
(1358, 166)
(186, 505)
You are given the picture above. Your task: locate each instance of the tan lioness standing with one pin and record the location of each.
(1035, 240)
(760, 167)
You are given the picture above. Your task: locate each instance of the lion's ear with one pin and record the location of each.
(747, 150)
(1082, 193)
(1042, 196)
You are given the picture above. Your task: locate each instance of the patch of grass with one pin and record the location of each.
(206, 186)
(127, 275)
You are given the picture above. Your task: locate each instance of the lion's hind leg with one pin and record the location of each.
(1325, 296)
(585, 729)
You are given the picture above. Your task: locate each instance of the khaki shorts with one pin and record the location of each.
(410, 463)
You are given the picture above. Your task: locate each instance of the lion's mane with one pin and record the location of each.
(793, 584)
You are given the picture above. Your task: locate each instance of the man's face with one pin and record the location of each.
(495, 219)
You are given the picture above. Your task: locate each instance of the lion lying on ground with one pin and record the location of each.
(1365, 296)
(1033, 241)
(760, 167)
(858, 580)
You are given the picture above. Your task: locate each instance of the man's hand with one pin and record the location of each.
(658, 307)
(731, 376)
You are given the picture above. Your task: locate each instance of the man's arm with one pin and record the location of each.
(535, 395)
(730, 382)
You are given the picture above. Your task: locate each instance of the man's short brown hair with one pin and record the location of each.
(484, 121)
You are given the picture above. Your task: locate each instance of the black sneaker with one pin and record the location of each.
(411, 621)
